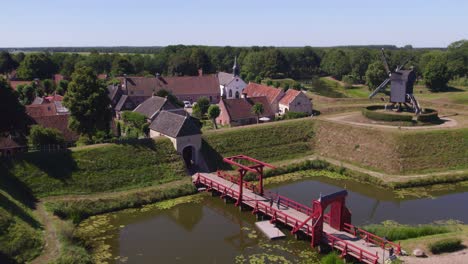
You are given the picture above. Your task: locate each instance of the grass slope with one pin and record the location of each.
(267, 142)
(20, 234)
(105, 168)
(431, 150)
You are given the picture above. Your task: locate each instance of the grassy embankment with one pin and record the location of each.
(99, 169)
(153, 167)
(268, 142)
(394, 151)
(435, 238)
(20, 233)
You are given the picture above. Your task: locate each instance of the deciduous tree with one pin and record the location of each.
(13, 117)
(7, 63)
(88, 103)
(213, 113)
(257, 109)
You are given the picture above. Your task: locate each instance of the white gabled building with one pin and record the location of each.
(230, 84)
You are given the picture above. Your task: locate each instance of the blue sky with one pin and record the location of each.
(36, 23)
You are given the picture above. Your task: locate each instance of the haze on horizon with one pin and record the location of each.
(53, 23)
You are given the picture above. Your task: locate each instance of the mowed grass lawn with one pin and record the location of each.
(109, 167)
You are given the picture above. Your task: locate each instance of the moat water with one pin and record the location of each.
(214, 232)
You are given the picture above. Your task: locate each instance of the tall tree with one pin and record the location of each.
(13, 117)
(257, 109)
(360, 60)
(375, 74)
(7, 63)
(121, 66)
(336, 63)
(435, 72)
(213, 113)
(88, 103)
(36, 65)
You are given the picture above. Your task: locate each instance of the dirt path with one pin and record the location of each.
(346, 118)
(460, 257)
(52, 244)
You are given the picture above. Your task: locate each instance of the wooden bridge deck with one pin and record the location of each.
(292, 215)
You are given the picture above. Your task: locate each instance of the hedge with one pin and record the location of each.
(371, 113)
(429, 115)
(446, 245)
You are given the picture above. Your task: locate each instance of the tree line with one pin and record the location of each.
(350, 64)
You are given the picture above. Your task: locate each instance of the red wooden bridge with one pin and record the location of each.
(333, 228)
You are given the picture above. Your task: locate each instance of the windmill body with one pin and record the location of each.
(401, 87)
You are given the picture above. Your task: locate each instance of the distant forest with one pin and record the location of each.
(352, 64)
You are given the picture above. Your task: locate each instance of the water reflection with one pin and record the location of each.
(213, 232)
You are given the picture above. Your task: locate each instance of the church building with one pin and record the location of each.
(231, 85)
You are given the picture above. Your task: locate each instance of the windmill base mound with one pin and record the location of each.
(389, 116)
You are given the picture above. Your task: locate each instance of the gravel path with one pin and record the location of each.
(460, 257)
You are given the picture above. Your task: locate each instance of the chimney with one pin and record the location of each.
(200, 72)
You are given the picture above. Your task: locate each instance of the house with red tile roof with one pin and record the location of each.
(9, 146)
(49, 112)
(59, 122)
(295, 101)
(272, 94)
(133, 91)
(14, 84)
(238, 111)
(191, 88)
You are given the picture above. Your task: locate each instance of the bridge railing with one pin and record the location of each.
(235, 179)
(372, 238)
(347, 248)
(285, 201)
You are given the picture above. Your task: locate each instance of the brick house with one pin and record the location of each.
(295, 101)
(272, 94)
(238, 111)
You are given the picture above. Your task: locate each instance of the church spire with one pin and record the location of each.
(235, 68)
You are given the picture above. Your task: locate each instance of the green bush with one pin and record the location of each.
(332, 258)
(294, 115)
(39, 135)
(395, 231)
(371, 113)
(446, 245)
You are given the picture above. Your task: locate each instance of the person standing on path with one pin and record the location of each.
(278, 202)
(271, 202)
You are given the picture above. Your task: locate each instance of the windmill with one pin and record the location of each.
(401, 86)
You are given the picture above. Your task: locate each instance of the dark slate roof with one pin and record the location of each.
(150, 106)
(174, 125)
(121, 102)
(225, 78)
(113, 89)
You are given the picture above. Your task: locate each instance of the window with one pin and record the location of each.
(211, 98)
(230, 93)
(237, 94)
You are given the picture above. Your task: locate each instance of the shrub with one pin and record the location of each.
(371, 113)
(39, 135)
(446, 245)
(294, 115)
(395, 231)
(332, 258)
